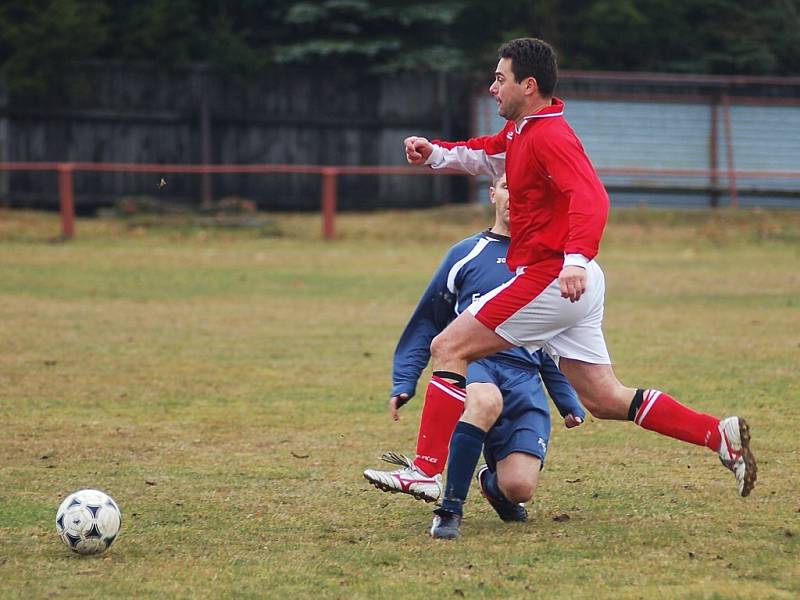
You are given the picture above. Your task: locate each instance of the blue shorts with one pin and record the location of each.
(524, 424)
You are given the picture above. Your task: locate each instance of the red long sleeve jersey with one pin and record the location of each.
(557, 203)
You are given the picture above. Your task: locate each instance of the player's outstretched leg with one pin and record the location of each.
(729, 438)
(606, 398)
(407, 480)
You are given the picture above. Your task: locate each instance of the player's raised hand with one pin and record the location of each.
(418, 149)
(571, 421)
(572, 280)
(395, 402)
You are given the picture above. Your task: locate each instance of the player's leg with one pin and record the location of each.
(477, 331)
(484, 404)
(605, 397)
(585, 361)
(598, 387)
(441, 413)
(444, 405)
(421, 478)
(464, 340)
(509, 483)
(516, 446)
(518, 476)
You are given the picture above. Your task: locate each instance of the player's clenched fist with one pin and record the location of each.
(418, 149)
(572, 280)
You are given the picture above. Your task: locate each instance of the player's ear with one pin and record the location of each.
(531, 86)
(491, 194)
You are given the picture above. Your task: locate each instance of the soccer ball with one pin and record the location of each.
(88, 521)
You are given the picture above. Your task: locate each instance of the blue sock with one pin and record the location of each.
(465, 451)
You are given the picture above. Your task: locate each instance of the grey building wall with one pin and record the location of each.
(671, 130)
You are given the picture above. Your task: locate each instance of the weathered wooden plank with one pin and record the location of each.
(141, 113)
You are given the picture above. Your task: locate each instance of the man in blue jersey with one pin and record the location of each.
(505, 411)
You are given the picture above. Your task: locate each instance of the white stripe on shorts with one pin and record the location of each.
(566, 329)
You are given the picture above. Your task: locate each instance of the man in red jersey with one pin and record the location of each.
(558, 211)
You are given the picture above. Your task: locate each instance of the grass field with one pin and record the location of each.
(228, 389)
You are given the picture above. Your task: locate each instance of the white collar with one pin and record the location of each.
(525, 120)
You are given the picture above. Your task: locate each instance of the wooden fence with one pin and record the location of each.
(137, 113)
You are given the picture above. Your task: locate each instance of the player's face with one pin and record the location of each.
(499, 195)
(509, 94)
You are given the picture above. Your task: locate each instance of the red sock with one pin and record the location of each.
(444, 403)
(663, 414)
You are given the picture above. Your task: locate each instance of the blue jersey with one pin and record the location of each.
(472, 267)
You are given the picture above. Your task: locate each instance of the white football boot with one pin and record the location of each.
(407, 480)
(734, 452)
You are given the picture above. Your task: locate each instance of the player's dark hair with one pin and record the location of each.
(531, 57)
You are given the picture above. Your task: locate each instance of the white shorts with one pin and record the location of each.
(530, 312)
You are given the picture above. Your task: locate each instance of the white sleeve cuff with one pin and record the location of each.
(436, 156)
(575, 260)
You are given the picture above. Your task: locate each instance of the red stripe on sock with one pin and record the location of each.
(444, 404)
(663, 414)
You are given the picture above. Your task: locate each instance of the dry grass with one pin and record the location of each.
(228, 389)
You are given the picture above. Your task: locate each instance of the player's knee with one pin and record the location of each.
(484, 404)
(602, 394)
(520, 489)
(441, 347)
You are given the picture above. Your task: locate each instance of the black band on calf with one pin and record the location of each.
(638, 398)
(458, 380)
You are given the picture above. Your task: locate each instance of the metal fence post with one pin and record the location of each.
(713, 162)
(66, 200)
(4, 143)
(726, 113)
(329, 177)
(206, 193)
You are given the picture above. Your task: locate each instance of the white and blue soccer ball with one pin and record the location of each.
(88, 521)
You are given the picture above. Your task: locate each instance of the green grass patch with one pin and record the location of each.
(228, 389)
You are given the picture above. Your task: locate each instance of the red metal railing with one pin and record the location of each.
(329, 176)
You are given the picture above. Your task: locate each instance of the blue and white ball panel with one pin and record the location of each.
(88, 521)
